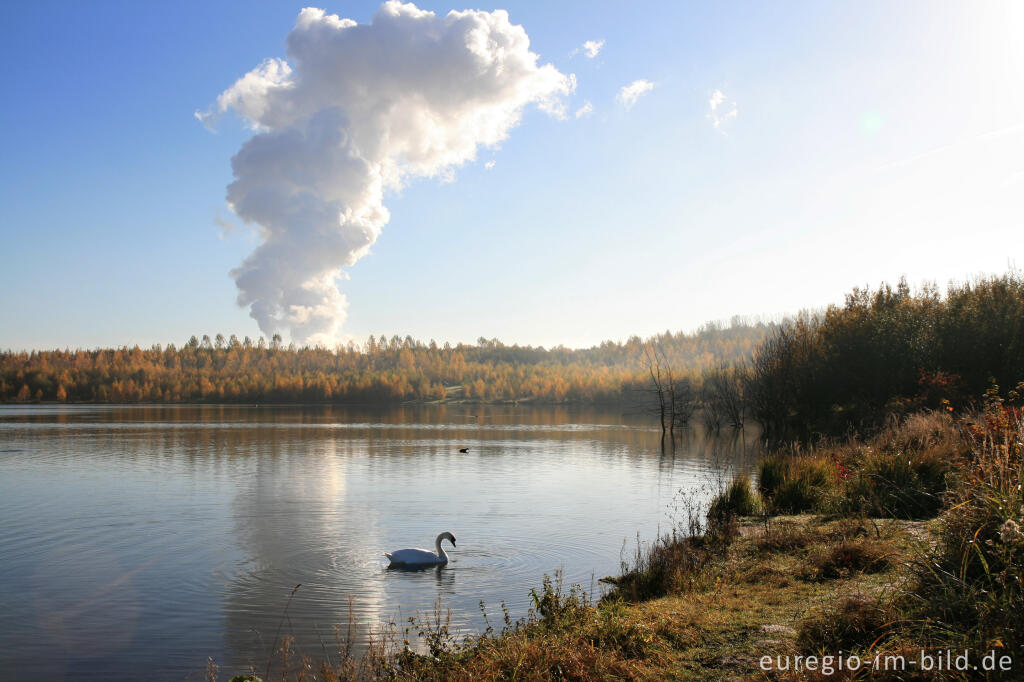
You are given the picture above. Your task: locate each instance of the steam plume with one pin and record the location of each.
(354, 111)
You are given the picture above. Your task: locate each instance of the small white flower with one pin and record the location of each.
(1010, 532)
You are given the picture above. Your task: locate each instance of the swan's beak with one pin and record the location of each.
(453, 542)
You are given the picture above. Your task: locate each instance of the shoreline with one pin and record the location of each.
(829, 558)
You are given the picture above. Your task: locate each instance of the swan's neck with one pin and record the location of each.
(440, 551)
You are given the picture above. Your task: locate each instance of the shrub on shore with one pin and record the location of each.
(850, 556)
(970, 587)
(673, 564)
(854, 623)
(738, 499)
(900, 473)
(796, 483)
(901, 485)
(887, 351)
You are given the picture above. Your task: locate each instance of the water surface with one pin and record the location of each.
(137, 541)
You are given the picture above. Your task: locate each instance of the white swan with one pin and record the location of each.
(421, 557)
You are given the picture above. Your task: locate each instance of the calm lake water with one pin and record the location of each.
(137, 541)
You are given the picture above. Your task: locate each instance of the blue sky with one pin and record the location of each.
(870, 141)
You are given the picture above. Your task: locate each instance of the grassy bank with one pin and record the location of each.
(714, 619)
(894, 550)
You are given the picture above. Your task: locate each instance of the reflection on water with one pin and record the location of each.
(137, 541)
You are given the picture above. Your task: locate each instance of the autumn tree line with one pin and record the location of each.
(884, 352)
(380, 371)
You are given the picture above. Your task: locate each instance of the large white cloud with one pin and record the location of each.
(357, 109)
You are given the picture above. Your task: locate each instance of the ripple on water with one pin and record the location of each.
(136, 544)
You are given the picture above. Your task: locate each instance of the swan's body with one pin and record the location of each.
(422, 557)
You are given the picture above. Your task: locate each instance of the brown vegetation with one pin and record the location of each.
(380, 371)
(888, 351)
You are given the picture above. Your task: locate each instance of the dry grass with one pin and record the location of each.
(744, 600)
(738, 499)
(672, 565)
(847, 557)
(932, 430)
(969, 590)
(901, 472)
(786, 535)
(856, 623)
(793, 483)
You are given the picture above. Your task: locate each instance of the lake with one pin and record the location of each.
(137, 541)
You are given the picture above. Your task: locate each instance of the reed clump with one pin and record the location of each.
(847, 557)
(969, 589)
(794, 482)
(738, 499)
(901, 472)
(854, 623)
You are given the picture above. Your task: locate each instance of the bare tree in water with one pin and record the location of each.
(675, 395)
(722, 395)
(661, 384)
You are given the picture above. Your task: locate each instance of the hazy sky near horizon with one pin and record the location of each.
(713, 159)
